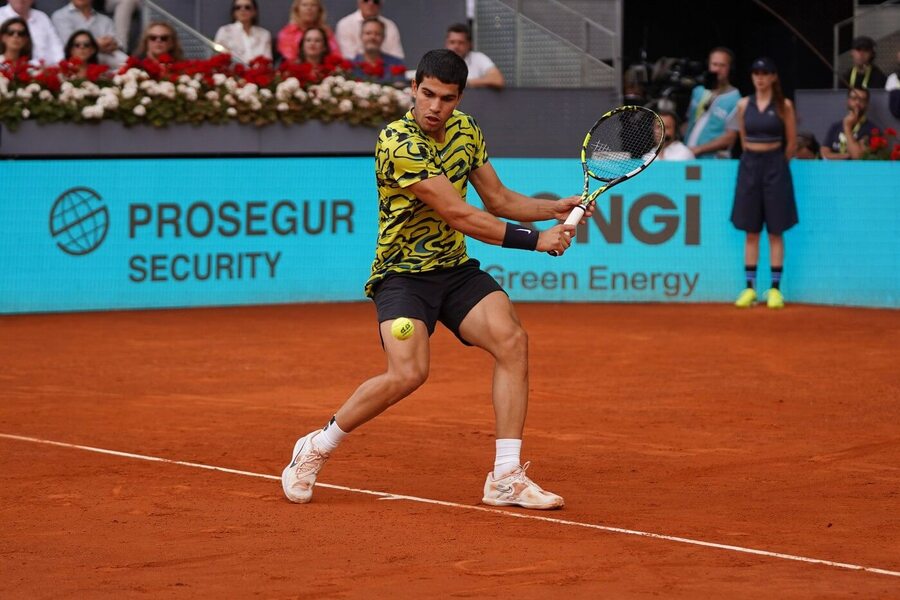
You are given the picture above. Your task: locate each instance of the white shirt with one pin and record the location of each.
(349, 31)
(676, 151)
(479, 64)
(45, 43)
(242, 46)
(68, 19)
(893, 82)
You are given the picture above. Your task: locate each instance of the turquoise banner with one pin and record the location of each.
(141, 233)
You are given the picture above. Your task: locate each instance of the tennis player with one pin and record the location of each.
(422, 271)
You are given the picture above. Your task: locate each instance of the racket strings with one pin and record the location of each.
(622, 143)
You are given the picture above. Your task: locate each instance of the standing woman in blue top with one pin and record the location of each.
(765, 191)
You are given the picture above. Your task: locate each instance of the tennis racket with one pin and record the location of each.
(621, 144)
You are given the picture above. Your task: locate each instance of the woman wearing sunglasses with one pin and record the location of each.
(160, 39)
(304, 14)
(15, 43)
(243, 38)
(82, 50)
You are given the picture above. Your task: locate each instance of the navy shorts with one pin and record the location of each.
(445, 295)
(764, 194)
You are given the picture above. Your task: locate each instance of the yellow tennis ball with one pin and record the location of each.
(402, 328)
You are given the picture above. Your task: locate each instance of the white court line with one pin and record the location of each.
(532, 517)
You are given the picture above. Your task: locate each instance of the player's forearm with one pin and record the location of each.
(519, 207)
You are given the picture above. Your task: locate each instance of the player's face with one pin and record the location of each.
(458, 43)
(435, 102)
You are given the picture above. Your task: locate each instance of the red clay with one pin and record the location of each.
(760, 429)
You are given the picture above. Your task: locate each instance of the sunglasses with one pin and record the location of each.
(159, 38)
(83, 45)
(243, 7)
(17, 32)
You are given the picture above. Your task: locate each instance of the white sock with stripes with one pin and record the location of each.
(507, 458)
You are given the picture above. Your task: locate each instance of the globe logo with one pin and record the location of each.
(79, 221)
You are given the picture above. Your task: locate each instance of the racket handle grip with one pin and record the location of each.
(573, 219)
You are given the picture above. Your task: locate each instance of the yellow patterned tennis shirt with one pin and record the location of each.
(412, 237)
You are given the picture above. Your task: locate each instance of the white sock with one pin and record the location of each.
(507, 459)
(329, 439)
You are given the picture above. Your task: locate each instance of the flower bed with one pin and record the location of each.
(208, 91)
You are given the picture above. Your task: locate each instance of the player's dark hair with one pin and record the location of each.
(461, 28)
(445, 66)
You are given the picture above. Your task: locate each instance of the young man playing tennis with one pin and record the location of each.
(421, 271)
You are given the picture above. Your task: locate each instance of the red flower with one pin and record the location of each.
(398, 70)
(94, 72)
(891, 131)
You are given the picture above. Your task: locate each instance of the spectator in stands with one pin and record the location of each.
(82, 49)
(122, 12)
(373, 64)
(893, 88)
(15, 42)
(160, 39)
(347, 30)
(304, 14)
(46, 46)
(80, 15)
(673, 148)
(863, 73)
(764, 194)
(243, 38)
(313, 51)
(710, 108)
(807, 146)
(482, 70)
(847, 138)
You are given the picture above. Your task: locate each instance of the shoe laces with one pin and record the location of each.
(311, 462)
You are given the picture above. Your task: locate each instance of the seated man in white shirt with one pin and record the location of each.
(80, 14)
(348, 28)
(45, 42)
(673, 148)
(482, 70)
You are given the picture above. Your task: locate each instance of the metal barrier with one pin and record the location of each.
(545, 43)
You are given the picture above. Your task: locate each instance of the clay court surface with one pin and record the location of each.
(721, 431)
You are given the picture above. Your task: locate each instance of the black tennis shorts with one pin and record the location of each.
(445, 295)
(764, 193)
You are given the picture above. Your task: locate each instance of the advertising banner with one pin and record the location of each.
(145, 233)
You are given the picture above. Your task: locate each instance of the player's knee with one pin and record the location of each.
(513, 343)
(409, 378)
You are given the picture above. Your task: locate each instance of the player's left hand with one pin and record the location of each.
(564, 206)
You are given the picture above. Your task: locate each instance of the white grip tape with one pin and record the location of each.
(573, 219)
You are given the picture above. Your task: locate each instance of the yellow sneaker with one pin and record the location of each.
(746, 299)
(774, 299)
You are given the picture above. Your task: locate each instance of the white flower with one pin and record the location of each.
(301, 95)
(346, 105)
(282, 106)
(212, 95)
(45, 95)
(129, 91)
(146, 100)
(232, 111)
(139, 110)
(92, 111)
(23, 93)
(219, 78)
(266, 93)
(26, 113)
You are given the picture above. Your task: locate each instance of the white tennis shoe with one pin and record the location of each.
(299, 477)
(516, 489)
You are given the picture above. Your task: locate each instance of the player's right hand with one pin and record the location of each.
(558, 238)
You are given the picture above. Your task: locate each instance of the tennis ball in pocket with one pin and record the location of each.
(402, 328)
